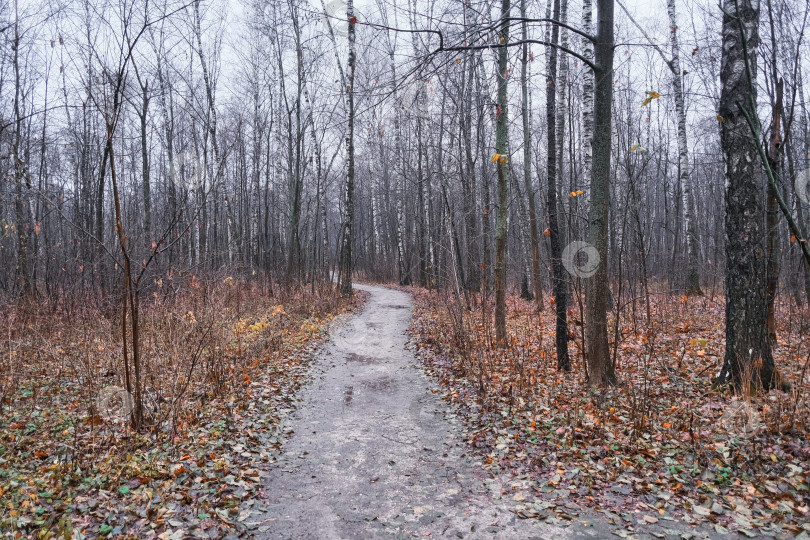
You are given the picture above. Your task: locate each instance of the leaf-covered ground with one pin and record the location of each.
(663, 447)
(223, 365)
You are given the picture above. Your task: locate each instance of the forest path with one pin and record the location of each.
(375, 453)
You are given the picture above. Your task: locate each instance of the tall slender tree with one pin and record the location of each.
(560, 285)
(502, 155)
(348, 225)
(684, 174)
(534, 235)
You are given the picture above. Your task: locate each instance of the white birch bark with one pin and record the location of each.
(562, 93)
(693, 281)
(587, 91)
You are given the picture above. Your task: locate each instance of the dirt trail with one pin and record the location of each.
(375, 453)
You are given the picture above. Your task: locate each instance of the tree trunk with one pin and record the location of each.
(486, 201)
(501, 136)
(296, 187)
(424, 232)
(320, 188)
(147, 188)
(587, 91)
(803, 183)
(210, 130)
(748, 358)
(560, 284)
(561, 85)
(468, 178)
(167, 112)
(403, 268)
(23, 275)
(348, 226)
(775, 153)
(692, 275)
(600, 368)
(772, 213)
(527, 164)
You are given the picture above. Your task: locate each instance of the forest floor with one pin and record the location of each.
(223, 363)
(289, 422)
(663, 454)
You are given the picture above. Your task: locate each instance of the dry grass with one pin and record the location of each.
(209, 345)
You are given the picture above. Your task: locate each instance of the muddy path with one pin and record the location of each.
(375, 453)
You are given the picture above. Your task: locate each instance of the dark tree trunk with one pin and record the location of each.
(600, 368)
(560, 284)
(748, 358)
(775, 152)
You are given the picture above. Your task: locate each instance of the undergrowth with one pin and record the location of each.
(664, 441)
(223, 358)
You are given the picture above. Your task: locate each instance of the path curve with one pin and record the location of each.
(375, 453)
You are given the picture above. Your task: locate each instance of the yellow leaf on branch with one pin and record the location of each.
(650, 96)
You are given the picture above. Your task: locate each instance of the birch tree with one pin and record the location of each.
(348, 225)
(684, 177)
(749, 358)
